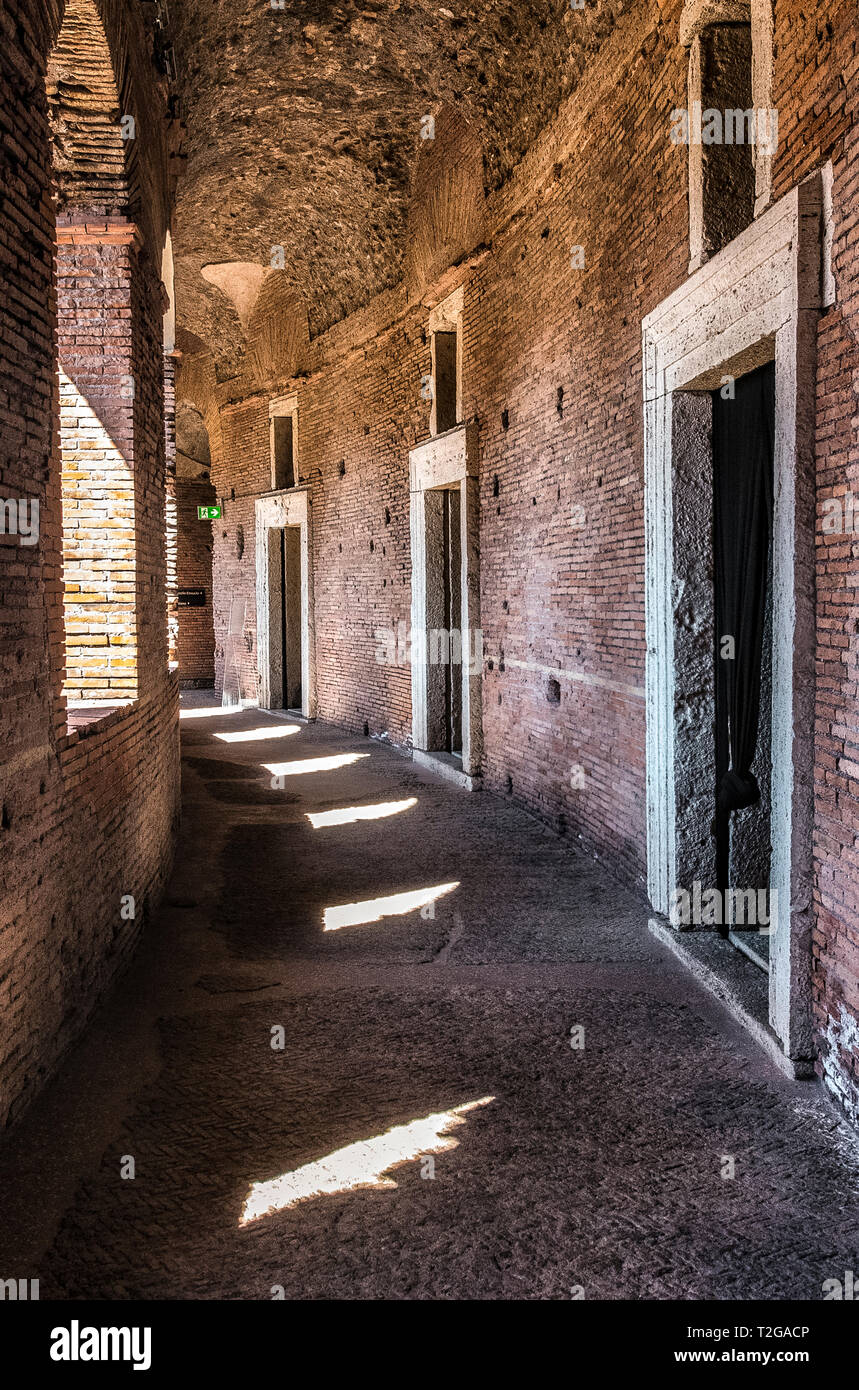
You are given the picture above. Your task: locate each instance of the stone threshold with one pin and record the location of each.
(294, 716)
(737, 982)
(448, 766)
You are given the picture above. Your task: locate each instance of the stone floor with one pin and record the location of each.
(595, 1169)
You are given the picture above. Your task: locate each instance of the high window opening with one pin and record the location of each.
(96, 250)
(445, 381)
(283, 427)
(727, 174)
(283, 470)
(445, 334)
(728, 124)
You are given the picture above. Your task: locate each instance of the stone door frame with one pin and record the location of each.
(447, 460)
(758, 300)
(273, 512)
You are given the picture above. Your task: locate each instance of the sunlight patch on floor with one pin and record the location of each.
(313, 764)
(209, 711)
(373, 909)
(257, 735)
(360, 1165)
(347, 814)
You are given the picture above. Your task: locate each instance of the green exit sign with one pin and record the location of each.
(208, 513)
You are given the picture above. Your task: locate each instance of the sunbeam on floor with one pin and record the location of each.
(374, 909)
(359, 1165)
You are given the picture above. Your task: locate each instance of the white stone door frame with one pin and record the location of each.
(273, 512)
(446, 461)
(758, 300)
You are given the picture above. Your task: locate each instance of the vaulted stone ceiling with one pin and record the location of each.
(303, 129)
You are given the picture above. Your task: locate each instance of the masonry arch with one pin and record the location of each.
(447, 210)
(96, 261)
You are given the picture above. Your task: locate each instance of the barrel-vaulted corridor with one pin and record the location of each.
(429, 660)
(509, 1090)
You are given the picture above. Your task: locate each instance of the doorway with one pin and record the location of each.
(444, 606)
(446, 640)
(286, 665)
(743, 425)
(755, 303)
(284, 578)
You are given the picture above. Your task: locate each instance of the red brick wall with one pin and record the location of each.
(171, 535)
(196, 639)
(551, 595)
(241, 470)
(817, 95)
(552, 374)
(86, 820)
(94, 273)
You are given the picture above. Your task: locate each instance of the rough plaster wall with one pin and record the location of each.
(446, 212)
(436, 616)
(751, 847)
(694, 637)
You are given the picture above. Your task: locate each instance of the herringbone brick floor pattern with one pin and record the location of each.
(595, 1170)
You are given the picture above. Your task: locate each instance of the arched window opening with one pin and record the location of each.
(96, 249)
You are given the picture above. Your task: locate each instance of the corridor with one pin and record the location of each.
(584, 1101)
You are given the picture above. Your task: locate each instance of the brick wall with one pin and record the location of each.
(196, 639)
(94, 273)
(817, 96)
(171, 533)
(88, 814)
(552, 374)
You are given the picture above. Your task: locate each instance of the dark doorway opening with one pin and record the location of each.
(285, 580)
(444, 609)
(743, 453)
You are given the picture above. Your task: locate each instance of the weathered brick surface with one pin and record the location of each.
(195, 639)
(97, 451)
(88, 814)
(552, 375)
(817, 95)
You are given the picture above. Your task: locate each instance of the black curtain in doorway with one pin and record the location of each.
(743, 440)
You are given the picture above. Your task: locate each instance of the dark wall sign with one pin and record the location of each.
(192, 598)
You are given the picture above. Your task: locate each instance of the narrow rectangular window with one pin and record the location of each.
(283, 461)
(445, 381)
